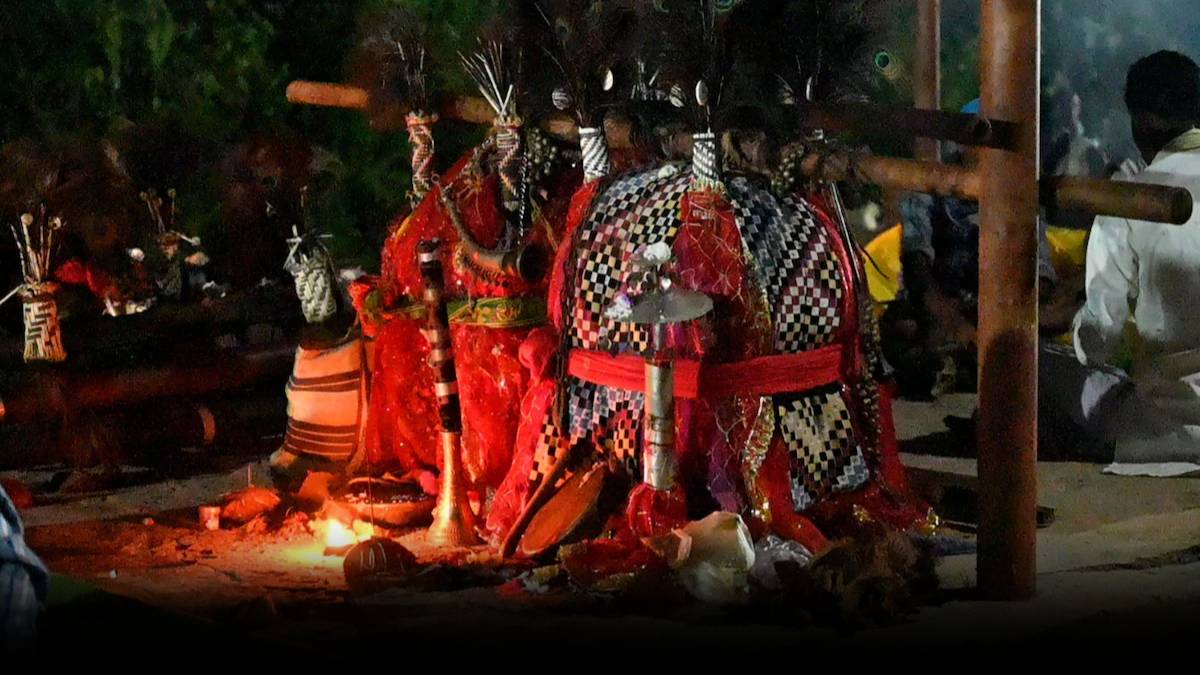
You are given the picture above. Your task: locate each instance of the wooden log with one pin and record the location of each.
(872, 120)
(1123, 199)
(47, 394)
(1154, 203)
(1136, 201)
(328, 95)
(903, 174)
(927, 71)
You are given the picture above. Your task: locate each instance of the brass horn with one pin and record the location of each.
(524, 262)
(453, 521)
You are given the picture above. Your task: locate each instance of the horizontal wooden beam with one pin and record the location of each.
(864, 118)
(48, 394)
(328, 95)
(905, 124)
(1136, 201)
(892, 172)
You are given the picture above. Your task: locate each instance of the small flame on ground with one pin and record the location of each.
(337, 534)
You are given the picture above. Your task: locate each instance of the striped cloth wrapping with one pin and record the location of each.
(326, 402)
(24, 581)
(594, 148)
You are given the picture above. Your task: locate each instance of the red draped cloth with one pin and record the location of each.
(402, 421)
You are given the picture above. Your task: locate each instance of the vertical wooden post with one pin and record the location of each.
(1010, 57)
(927, 71)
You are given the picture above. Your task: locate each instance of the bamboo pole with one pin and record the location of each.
(1136, 201)
(865, 118)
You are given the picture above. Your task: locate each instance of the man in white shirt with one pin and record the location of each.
(1150, 273)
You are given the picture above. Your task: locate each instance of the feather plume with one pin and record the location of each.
(826, 56)
(818, 50)
(696, 51)
(574, 53)
(494, 68)
(391, 60)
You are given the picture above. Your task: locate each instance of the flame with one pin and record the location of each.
(338, 535)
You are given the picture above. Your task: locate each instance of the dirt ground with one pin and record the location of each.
(1122, 556)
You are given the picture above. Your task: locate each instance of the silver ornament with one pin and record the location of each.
(677, 96)
(560, 98)
(702, 93)
(609, 79)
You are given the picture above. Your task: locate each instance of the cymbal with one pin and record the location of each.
(673, 305)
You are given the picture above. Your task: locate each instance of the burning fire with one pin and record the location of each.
(337, 535)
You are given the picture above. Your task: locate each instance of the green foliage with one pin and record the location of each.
(216, 70)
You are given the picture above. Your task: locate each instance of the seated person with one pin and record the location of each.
(23, 581)
(1150, 272)
(929, 331)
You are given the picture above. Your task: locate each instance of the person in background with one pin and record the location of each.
(1147, 418)
(23, 582)
(929, 332)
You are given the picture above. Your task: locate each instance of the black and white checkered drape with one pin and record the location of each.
(793, 261)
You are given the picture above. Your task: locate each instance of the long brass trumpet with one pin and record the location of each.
(453, 520)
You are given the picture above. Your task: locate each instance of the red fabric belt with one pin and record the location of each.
(762, 376)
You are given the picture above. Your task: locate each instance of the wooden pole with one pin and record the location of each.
(1137, 201)
(328, 95)
(927, 94)
(1010, 57)
(890, 123)
(927, 71)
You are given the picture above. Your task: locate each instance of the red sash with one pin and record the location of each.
(761, 376)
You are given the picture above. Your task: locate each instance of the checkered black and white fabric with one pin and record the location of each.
(795, 265)
(636, 210)
(704, 159)
(826, 455)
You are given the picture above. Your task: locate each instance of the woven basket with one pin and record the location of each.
(43, 337)
(315, 287)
